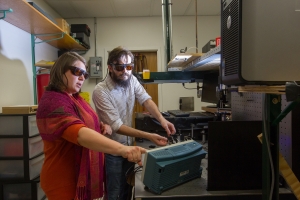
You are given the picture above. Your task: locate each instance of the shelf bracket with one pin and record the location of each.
(4, 13)
(58, 38)
(285, 112)
(33, 42)
(292, 90)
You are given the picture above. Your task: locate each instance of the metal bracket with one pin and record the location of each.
(292, 90)
(51, 34)
(4, 12)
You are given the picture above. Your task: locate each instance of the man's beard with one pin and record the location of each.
(121, 82)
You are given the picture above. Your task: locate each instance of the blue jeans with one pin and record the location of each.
(116, 185)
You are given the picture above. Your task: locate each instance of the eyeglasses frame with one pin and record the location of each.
(123, 65)
(85, 74)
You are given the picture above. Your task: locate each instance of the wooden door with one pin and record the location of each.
(152, 89)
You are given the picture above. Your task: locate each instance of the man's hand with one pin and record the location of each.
(105, 129)
(158, 140)
(168, 126)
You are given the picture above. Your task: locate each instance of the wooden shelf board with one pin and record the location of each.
(214, 110)
(280, 89)
(27, 18)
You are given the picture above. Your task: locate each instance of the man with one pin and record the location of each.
(114, 100)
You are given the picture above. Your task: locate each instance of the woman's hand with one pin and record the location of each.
(105, 129)
(133, 154)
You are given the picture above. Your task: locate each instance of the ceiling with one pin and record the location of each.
(132, 8)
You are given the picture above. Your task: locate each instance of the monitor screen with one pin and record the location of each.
(210, 82)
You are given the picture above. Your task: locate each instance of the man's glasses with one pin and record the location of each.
(79, 72)
(121, 67)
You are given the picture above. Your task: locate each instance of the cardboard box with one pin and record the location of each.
(42, 11)
(63, 24)
(20, 109)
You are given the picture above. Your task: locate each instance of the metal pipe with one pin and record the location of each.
(163, 4)
(170, 31)
(167, 30)
(95, 35)
(196, 27)
(33, 69)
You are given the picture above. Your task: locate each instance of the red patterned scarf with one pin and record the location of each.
(56, 112)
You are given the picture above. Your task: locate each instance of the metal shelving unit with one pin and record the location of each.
(206, 62)
(27, 18)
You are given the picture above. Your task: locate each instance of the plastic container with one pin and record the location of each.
(21, 169)
(42, 80)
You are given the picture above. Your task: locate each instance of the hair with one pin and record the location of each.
(59, 69)
(117, 53)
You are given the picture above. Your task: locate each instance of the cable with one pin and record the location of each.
(265, 112)
(132, 192)
(130, 174)
(103, 78)
(191, 48)
(189, 88)
(130, 177)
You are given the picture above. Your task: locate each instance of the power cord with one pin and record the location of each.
(265, 112)
(103, 78)
(189, 88)
(130, 174)
(130, 177)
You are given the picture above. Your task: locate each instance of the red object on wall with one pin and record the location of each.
(42, 80)
(218, 41)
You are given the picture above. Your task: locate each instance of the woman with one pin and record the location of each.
(73, 166)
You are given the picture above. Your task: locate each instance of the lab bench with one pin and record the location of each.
(197, 188)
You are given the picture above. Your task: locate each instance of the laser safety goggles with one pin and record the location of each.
(79, 72)
(121, 67)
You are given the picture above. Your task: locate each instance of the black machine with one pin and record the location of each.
(235, 156)
(209, 88)
(192, 126)
(81, 32)
(212, 91)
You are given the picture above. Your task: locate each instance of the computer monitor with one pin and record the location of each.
(209, 85)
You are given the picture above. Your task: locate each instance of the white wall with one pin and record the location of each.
(16, 77)
(146, 33)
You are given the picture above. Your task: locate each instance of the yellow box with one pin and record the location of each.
(146, 74)
(63, 24)
(20, 109)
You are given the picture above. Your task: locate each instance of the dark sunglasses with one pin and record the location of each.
(79, 72)
(121, 67)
